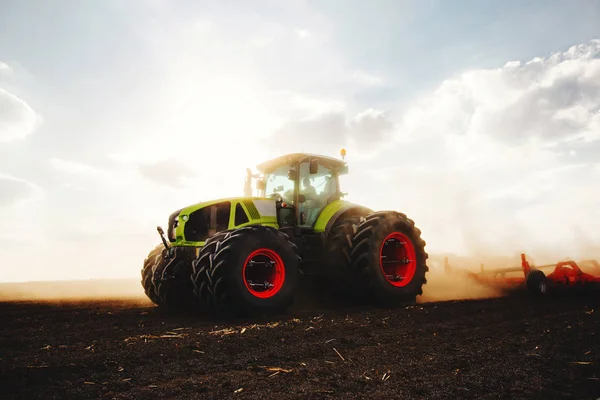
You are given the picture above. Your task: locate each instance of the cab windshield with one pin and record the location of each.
(278, 184)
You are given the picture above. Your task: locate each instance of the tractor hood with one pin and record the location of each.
(192, 225)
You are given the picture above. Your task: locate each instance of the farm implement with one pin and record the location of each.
(247, 255)
(564, 275)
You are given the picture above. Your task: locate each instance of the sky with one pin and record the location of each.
(480, 120)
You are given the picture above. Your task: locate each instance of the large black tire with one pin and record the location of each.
(220, 268)
(375, 240)
(338, 269)
(171, 281)
(155, 257)
(200, 276)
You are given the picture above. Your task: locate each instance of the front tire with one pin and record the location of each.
(200, 277)
(171, 280)
(389, 259)
(250, 271)
(155, 257)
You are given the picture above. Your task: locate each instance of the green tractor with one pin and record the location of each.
(248, 255)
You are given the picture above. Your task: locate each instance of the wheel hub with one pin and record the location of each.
(264, 273)
(398, 259)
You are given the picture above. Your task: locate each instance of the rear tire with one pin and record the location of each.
(231, 269)
(389, 261)
(338, 249)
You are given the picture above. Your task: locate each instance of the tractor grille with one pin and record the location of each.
(251, 209)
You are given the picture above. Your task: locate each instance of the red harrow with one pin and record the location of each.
(566, 275)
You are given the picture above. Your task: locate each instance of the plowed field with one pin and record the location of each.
(512, 347)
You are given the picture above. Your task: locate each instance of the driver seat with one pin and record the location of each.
(329, 191)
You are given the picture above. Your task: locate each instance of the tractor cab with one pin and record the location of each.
(301, 184)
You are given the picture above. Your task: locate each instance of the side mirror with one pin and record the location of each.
(313, 166)
(261, 185)
(292, 174)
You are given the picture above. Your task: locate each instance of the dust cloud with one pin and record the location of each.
(77, 290)
(446, 281)
(450, 280)
(449, 275)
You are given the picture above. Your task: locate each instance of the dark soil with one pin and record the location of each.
(509, 348)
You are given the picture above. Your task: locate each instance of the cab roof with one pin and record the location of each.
(293, 158)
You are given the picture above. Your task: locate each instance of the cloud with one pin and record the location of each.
(499, 160)
(302, 33)
(124, 176)
(167, 172)
(269, 88)
(296, 105)
(553, 100)
(371, 126)
(330, 130)
(17, 119)
(312, 133)
(4, 68)
(14, 191)
(78, 169)
(366, 79)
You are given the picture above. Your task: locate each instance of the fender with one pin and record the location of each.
(333, 211)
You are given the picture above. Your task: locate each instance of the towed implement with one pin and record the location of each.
(564, 275)
(247, 255)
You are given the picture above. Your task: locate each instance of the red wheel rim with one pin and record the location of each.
(398, 259)
(263, 273)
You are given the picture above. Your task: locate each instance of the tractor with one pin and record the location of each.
(247, 255)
